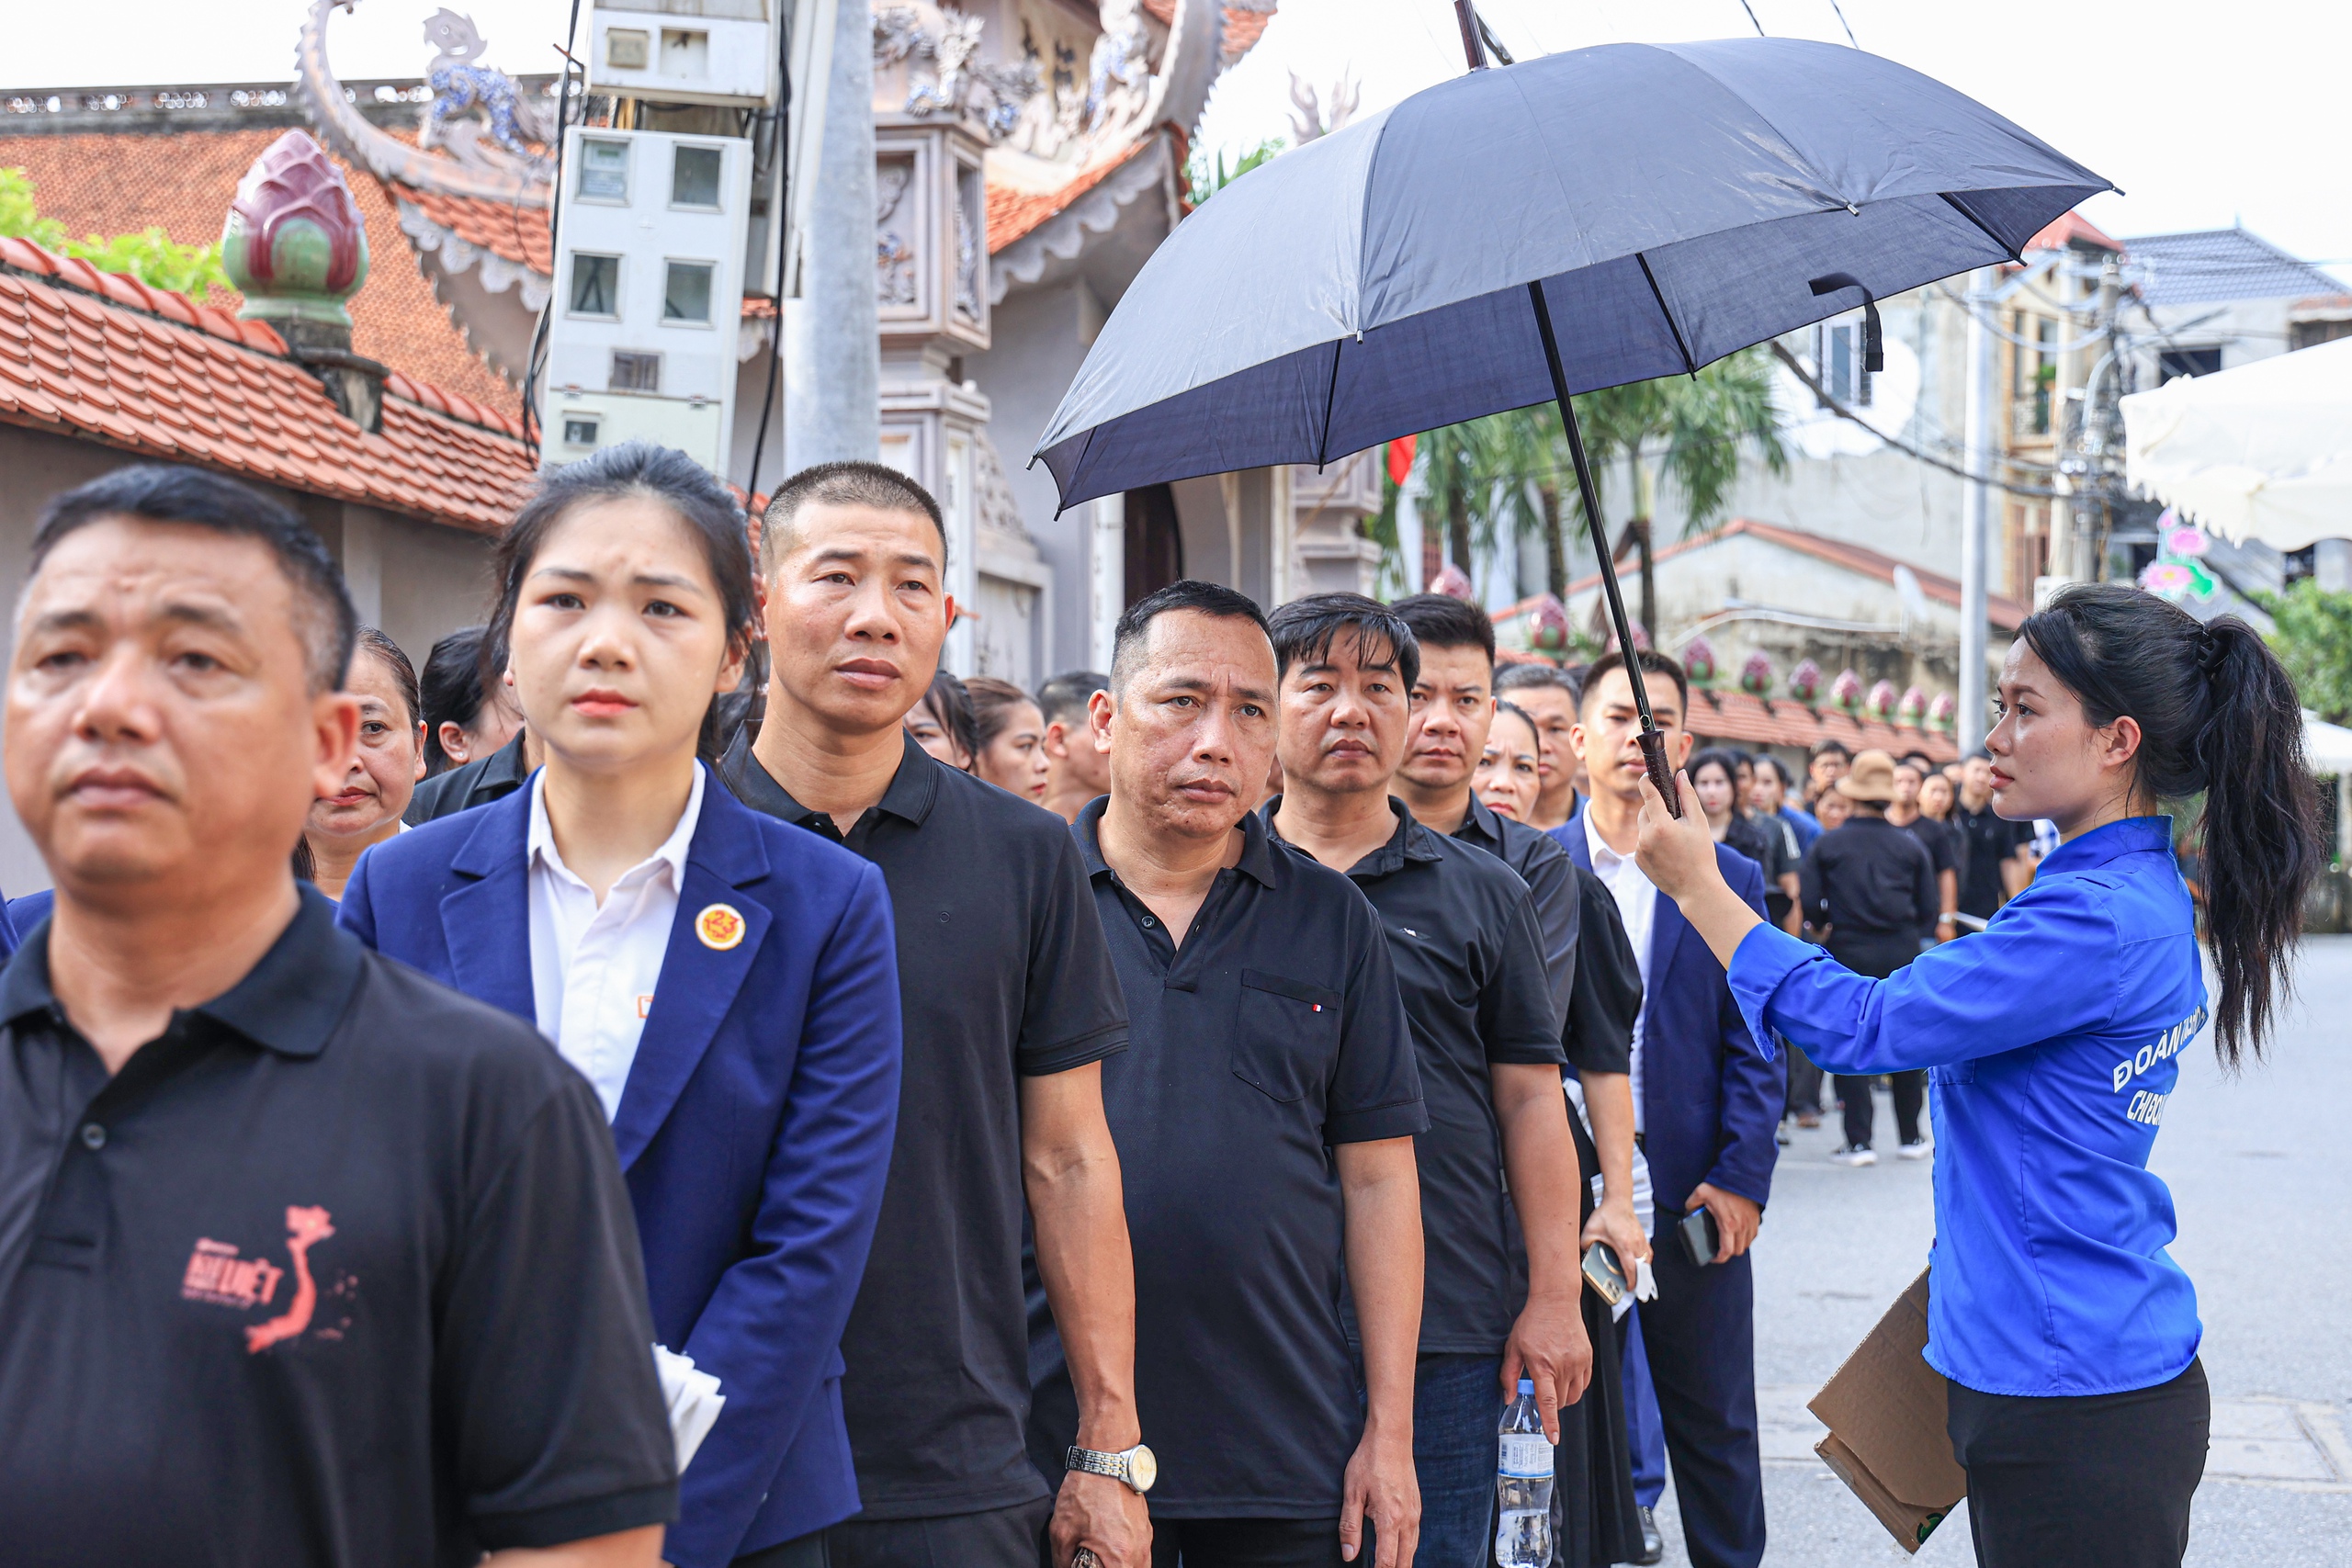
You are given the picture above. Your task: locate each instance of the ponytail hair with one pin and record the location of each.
(2216, 712)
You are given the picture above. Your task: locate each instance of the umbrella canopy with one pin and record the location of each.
(1674, 202)
(2261, 452)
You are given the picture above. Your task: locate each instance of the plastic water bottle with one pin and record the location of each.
(1523, 1485)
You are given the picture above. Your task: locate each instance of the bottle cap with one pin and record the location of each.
(1526, 1387)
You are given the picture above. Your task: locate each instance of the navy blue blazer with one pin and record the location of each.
(1711, 1103)
(755, 1129)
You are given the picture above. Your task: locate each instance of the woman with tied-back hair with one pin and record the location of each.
(2067, 1334)
(726, 982)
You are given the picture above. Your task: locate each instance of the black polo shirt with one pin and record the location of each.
(1273, 1034)
(1463, 935)
(1987, 841)
(1608, 994)
(470, 784)
(1550, 877)
(1003, 973)
(1940, 841)
(339, 1269)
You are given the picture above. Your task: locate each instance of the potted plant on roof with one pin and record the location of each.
(1942, 712)
(1756, 676)
(1547, 628)
(1912, 711)
(1880, 703)
(1846, 692)
(1804, 681)
(1699, 662)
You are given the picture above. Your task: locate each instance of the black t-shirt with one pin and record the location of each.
(1469, 961)
(1869, 878)
(1003, 973)
(1608, 994)
(1550, 877)
(339, 1269)
(1941, 842)
(1273, 1034)
(1985, 841)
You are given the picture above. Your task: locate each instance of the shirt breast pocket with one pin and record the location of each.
(1285, 1033)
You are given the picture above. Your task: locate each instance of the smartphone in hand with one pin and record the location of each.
(1604, 1274)
(1700, 1238)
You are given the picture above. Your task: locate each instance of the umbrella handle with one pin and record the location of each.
(1652, 742)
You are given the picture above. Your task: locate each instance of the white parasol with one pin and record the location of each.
(2260, 452)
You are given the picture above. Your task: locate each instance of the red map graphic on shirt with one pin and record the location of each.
(304, 1227)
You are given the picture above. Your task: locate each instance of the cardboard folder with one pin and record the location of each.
(1884, 1410)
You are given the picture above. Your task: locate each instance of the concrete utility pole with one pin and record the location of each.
(832, 403)
(1976, 519)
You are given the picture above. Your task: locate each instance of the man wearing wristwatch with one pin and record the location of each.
(1264, 1112)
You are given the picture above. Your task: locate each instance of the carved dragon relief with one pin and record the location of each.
(486, 173)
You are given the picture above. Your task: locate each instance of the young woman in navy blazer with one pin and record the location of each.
(727, 982)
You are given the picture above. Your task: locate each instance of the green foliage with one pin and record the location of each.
(2313, 639)
(1203, 178)
(152, 257)
(18, 220)
(1702, 420)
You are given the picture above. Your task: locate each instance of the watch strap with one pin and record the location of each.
(1096, 1463)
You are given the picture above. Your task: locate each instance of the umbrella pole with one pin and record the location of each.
(1652, 742)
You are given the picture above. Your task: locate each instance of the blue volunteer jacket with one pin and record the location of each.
(755, 1129)
(2052, 1039)
(1711, 1102)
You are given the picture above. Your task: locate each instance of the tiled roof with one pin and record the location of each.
(181, 181)
(2209, 266)
(106, 358)
(1736, 715)
(2007, 614)
(1013, 213)
(2069, 228)
(1243, 26)
(517, 233)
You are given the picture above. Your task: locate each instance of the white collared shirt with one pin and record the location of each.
(593, 968)
(1636, 898)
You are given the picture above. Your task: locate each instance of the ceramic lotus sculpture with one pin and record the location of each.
(1756, 676)
(294, 243)
(1847, 691)
(1804, 681)
(1913, 708)
(1699, 661)
(1880, 703)
(1454, 583)
(1943, 713)
(1547, 627)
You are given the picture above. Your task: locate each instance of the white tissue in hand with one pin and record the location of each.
(1645, 1290)
(693, 1400)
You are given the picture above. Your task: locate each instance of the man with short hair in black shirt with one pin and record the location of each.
(1941, 840)
(1265, 1114)
(1549, 695)
(1009, 1008)
(1469, 957)
(304, 1260)
(1075, 773)
(1996, 857)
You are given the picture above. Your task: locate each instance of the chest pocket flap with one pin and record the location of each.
(1285, 1034)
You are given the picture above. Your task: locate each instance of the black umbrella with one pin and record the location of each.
(1554, 226)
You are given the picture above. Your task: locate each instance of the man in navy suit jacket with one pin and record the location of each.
(754, 1128)
(1707, 1103)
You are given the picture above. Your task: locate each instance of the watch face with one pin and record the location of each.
(1142, 1468)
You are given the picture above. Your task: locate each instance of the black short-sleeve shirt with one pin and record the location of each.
(1985, 841)
(1463, 935)
(1002, 973)
(339, 1269)
(1274, 1033)
(1550, 877)
(1608, 994)
(1941, 842)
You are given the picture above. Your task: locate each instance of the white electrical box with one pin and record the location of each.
(724, 52)
(648, 294)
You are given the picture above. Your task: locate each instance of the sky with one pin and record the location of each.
(2206, 114)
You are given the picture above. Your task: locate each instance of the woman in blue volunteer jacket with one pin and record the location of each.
(726, 982)
(2053, 1038)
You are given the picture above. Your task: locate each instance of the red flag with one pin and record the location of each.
(1400, 456)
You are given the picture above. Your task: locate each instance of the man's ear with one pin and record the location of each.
(1680, 750)
(1099, 710)
(334, 722)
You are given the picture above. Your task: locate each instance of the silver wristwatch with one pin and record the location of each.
(1136, 1466)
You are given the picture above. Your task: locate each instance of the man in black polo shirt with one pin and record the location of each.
(1996, 857)
(1264, 1113)
(1463, 934)
(1011, 1005)
(1454, 708)
(304, 1258)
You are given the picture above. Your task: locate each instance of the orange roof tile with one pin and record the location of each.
(181, 181)
(222, 393)
(517, 233)
(2068, 227)
(1736, 716)
(1013, 213)
(1242, 31)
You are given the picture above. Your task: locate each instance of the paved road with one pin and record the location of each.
(2260, 1167)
